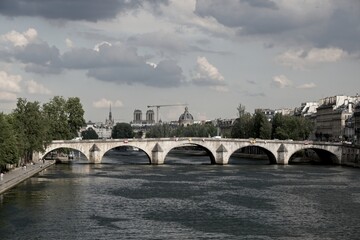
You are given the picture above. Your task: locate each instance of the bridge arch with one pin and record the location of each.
(270, 155)
(191, 144)
(127, 145)
(323, 156)
(51, 149)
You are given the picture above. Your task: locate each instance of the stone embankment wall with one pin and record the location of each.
(18, 175)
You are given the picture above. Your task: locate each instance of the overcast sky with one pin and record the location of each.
(210, 54)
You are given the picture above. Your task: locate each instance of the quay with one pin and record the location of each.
(20, 174)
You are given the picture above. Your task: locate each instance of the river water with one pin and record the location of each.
(187, 198)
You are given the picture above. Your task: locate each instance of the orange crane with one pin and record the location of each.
(164, 105)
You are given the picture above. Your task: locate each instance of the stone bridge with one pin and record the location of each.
(219, 150)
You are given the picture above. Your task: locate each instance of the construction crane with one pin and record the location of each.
(164, 105)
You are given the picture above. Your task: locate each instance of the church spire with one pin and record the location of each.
(110, 115)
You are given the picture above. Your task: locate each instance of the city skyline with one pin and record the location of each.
(212, 55)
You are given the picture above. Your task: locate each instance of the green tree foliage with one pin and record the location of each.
(122, 130)
(75, 115)
(262, 127)
(160, 131)
(8, 145)
(56, 113)
(291, 127)
(195, 130)
(31, 128)
(66, 117)
(89, 134)
(281, 127)
(243, 126)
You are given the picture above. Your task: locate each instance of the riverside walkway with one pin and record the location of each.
(18, 175)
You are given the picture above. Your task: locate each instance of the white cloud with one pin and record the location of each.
(307, 86)
(300, 59)
(7, 96)
(207, 74)
(36, 88)
(207, 71)
(69, 43)
(281, 81)
(105, 103)
(10, 83)
(154, 65)
(20, 39)
(98, 46)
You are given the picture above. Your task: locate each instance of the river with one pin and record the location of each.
(187, 198)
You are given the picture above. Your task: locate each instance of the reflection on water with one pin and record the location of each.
(187, 198)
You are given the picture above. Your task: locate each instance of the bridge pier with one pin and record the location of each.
(157, 155)
(95, 155)
(221, 156)
(283, 158)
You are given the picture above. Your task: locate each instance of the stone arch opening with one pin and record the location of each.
(64, 154)
(126, 154)
(313, 156)
(190, 153)
(252, 155)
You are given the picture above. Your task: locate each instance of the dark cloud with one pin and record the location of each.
(105, 56)
(248, 17)
(167, 43)
(112, 63)
(37, 53)
(36, 57)
(166, 74)
(319, 23)
(262, 4)
(88, 10)
(342, 29)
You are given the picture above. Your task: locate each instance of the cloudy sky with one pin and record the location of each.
(210, 54)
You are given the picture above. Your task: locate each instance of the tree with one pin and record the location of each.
(196, 130)
(9, 152)
(56, 113)
(243, 127)
(262, 127)
(291, 127)
(122, 130)
(160, 131)
(31, 128)
(66, 117)
(89, 134)
(75, 115)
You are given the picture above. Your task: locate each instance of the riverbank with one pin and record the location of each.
(18, 175)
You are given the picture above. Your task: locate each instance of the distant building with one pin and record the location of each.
(109, 123)
(285, 111)
(307, 109)
(186, 118)
(138, 119)
(150, 116)
(331, 118)
(357, 123)
(137, 116)
(269, 113)
(103, 130)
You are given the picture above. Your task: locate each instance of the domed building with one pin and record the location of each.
(186, 118)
